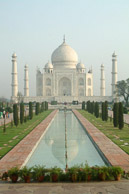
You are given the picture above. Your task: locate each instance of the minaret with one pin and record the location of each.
(14, 76)
(114, 74)
(102, 81)
(26, 81)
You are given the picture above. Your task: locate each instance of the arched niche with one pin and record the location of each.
(48, 82)
(48, 92)
(89, 81)
(89, 92)
(64, 88)
(81, 92)
(81, 82)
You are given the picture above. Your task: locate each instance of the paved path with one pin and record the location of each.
(121, 187)
(7, 120)
(126, 116)
(115, 155)
(18, 155)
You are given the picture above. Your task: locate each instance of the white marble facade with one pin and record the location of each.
(64, 77)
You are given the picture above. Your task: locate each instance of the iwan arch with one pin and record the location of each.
(64, 79)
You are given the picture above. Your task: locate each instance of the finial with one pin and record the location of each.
(64, 39)
(114, 54)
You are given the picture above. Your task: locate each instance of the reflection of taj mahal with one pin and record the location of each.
(63, 80)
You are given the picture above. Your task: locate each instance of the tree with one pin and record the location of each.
(30, 110)
(115, 114)
(123, 90)
(42, 107)
(21, 112)
(46, 105)
(96, 109)
(15, 114)
(106, 110)
(121, 119)
(37, 108)
(92, 108)
(83, 105)
(103, 111)
(89, 106)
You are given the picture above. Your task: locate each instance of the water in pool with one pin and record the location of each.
(51, 149)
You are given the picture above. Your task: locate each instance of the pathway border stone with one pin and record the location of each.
(107, 187)
(18, 155)
(115, 155)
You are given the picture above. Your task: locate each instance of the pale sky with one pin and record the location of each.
(35, 28)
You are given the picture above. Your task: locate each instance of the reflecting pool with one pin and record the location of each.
(51, 150)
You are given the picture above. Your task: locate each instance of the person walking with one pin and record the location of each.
(4, 114)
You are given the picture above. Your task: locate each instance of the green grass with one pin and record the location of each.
(115, 134)
(14, 135)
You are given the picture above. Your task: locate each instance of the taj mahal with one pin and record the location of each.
(64, 79)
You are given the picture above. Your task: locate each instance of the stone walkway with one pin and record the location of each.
(115, 155)
(121, 187)
(18, 155)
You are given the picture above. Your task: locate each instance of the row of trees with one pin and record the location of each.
(93, 108)
(23, 118)
(118, 119)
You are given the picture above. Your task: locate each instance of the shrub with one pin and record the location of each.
(53, 102)
(38, 173)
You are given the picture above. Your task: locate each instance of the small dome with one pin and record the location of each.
(80, 66)
(64, 56)
(26, 65)
(14, 55)
(49, 66)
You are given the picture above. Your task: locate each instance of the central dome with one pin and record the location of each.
(64, 56)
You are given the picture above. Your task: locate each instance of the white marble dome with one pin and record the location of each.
(64, 56)
(48, 65)
(80, 66)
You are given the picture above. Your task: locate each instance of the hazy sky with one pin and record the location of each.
(35, 28)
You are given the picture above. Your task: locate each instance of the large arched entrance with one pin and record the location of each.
(64, 87)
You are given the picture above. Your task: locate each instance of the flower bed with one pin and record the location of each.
(55, 174)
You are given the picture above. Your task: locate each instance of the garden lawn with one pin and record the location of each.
(14, 135)
(119, 137)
